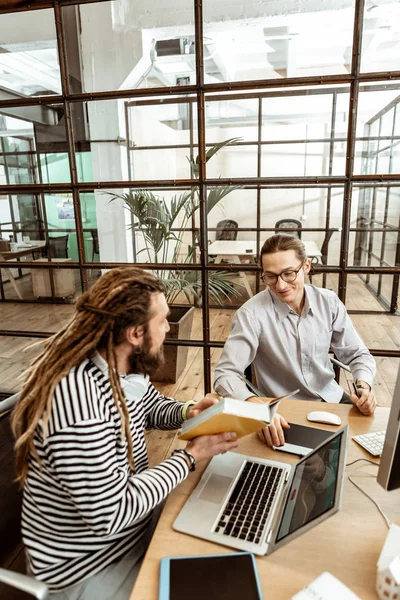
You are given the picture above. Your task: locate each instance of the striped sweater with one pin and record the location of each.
(84, 508)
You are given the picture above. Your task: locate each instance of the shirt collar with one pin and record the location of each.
(133, 385)
(282, 309)
(100, 363)
(309, 304)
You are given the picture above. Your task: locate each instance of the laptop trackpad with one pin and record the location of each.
(215, 488)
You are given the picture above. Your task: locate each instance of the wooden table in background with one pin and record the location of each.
(347, 544)
(21, 251)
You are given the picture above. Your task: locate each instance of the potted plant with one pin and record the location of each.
(162, 227)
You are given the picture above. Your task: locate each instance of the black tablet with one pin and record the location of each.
(211, 577)
(301, 440)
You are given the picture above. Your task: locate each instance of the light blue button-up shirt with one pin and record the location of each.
(290, 351)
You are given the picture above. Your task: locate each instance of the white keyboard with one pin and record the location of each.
(372, 442)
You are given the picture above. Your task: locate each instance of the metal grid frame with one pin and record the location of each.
(353, 79)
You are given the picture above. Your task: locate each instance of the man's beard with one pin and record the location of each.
(146, 362)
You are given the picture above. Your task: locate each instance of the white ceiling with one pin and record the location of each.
(242, 41)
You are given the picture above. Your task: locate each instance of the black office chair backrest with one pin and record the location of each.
(226, 230)
(287, 226)
(58, 246)
(95, 236)
(325, 245)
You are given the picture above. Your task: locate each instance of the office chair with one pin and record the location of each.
(27, 584)
(95, 243)
(18, 580)
(287, 225)
(58, 246)
(8, 403)
(324, 249)
(226, 230)
(325, 244)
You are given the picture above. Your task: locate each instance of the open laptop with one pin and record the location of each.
(259, 505)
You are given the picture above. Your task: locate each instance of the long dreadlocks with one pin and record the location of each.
(119, 299)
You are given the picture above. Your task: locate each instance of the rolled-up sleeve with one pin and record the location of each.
(349, 347)
(239, 352)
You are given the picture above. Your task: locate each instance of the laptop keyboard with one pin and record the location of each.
(249, 504)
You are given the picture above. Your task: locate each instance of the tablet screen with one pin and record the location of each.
(301, 435)
(213, 578)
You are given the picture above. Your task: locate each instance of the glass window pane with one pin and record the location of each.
(143, 226)
(299, 132)
(60, 215)
(122, 45)
(33, 145)
(232, 122)
(307, 208)
(378, 139)
(236, 211)
(374, 293)
(29, 55)
(264, 40)
(375, 213)
(381, 37)
(159, 143)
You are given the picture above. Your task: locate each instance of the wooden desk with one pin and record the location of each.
(13, 254)
(235, 251)
(347, 544)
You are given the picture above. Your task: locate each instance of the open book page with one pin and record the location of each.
(273, 403)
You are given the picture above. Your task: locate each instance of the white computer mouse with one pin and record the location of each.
(320, 416)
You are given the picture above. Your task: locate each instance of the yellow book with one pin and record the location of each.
(227, 415)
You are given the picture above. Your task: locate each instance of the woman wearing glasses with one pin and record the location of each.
(286, 333)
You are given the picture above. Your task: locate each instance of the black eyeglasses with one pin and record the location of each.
(287, 276)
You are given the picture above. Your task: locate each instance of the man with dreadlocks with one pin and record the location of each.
(89, 495)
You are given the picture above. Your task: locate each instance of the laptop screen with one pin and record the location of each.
(313, 488)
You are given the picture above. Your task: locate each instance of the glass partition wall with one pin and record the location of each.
(180, 137)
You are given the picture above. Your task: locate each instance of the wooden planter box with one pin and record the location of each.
(180, 321)
(64, 280)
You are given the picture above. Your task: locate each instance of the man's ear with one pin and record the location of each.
(134, 335)
(307, 266)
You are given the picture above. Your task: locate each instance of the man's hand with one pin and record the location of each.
(273, 435)
(207, 446)
(366, 403)
(196, 409)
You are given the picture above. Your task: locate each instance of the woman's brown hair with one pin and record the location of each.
(282, 242)
(119, 299)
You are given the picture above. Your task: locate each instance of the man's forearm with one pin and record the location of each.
(232, 387)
